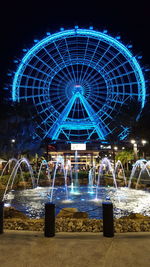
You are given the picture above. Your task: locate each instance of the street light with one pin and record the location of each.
(133, 142)
(115, 148)
(143, 143)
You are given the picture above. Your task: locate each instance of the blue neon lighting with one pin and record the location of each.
(79, 80)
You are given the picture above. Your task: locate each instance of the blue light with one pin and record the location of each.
(79, 93)
(62, 29)
(48, 33)
(36, 41)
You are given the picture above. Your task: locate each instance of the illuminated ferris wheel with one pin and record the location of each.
(80, 82)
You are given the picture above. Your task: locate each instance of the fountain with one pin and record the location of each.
(14, 173)
(60, 161)
(74, 195)
(138, 164)
(105, 163)
(43, 163)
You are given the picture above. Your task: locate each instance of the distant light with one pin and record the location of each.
(36, 41)
(143, 142)
(139, 57)
(115, 148)
(123, 148)
(24, 50)
(48, 33)
(132, 141)
(105, 31)
(118, 37)
(76, 27)
(13, 140)
(61, 29)
(130, 46)
(15, 61)
(91, 27)
(9, 74)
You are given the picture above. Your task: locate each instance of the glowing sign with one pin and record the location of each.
(78, 146)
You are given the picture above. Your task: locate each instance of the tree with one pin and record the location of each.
(125, 156)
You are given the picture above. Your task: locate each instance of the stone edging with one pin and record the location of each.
(79, 225)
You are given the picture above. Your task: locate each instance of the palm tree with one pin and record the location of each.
(125, 157)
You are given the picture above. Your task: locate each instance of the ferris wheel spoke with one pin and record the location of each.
(99, 60)
(33, 78)
(89, 63)
(67, 49)
(45, 64)
(38, 70)
(122, 75)
(118, 66)
(121, 85)
(57, 64)
(85, 52)
(110, 61)
(31, 96)
(62, 59)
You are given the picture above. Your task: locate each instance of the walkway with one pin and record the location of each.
(32, 249)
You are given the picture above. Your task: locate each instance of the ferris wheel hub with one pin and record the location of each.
(78, 89)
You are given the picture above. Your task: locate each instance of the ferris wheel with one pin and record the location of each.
(80, 82)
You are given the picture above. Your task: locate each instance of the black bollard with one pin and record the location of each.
(49, 230)
(108, 222)
(1, 216)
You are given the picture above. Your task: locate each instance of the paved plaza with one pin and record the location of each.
(32, 249)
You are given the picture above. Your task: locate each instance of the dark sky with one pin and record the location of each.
(22, 21)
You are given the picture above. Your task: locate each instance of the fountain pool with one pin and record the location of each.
(125, 200)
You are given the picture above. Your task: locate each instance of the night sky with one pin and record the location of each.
(23, 21)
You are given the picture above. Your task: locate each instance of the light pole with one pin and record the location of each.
(133, 142)
(13, 141)
(143, 143)
(115, 148)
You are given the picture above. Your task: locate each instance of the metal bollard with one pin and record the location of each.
(1, 216)
(108, 222)
(49, 230)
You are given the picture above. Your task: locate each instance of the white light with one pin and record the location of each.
(78, 146)
(13, 140)
(132, 141)
(143, 142)
(115, 148)
(123, 148)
